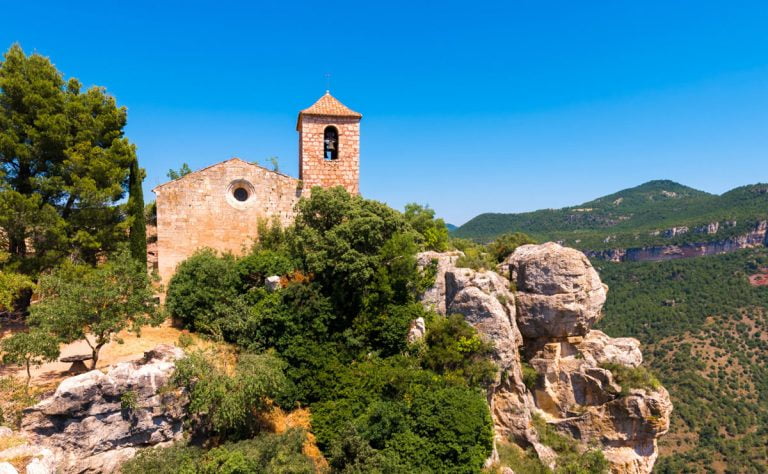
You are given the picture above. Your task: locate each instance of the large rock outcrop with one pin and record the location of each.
(559, 293)
(542, 303)
(95, 421)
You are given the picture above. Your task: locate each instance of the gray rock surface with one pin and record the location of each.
(95, 420)
(272, 283)
(559, 293)
(554, 296)
(417, 330)
(598, 348)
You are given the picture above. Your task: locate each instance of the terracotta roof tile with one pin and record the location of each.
(330, 106)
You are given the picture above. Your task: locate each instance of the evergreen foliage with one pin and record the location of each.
(138, 230)
(65, 165)
(29, 349)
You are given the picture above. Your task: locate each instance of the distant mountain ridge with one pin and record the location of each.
(656, 213)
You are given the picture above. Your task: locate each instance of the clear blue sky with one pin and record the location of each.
(468, 106)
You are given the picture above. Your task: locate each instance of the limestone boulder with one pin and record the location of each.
(559, 293)
(439, 263)
(94, 421)
(417, 330)
(598, 348)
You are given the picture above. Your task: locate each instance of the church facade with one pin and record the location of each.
(220, 206)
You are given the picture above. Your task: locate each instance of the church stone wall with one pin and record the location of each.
(315, 170)
(200, 210)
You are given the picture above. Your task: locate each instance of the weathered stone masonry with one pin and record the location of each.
(220, 206)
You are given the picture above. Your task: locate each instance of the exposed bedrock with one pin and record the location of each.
(757, 237)
(95, 421)
(538, 310)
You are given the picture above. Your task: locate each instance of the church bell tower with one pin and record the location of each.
(329, 145)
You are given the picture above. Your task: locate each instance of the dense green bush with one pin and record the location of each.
(455, 349)
(389, 411)
(226, 404)
(201, 289)
(264, 454)
(632, 377)
(505, 244)
(476, 256)
(433, 232)
(253, 269)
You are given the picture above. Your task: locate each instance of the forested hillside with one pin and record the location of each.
(634, 217)
(703, 329)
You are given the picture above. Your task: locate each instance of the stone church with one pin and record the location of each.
(220, 206)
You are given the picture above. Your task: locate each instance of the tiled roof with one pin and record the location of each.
(330, 106)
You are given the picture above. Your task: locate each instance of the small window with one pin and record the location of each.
(331, 143)
(241, 194)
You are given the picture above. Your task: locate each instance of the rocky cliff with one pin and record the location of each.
(538, 310)
(95, 421)
(754, 238)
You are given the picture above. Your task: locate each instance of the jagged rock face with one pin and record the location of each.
(86, 424)
(434, 297)
(559, 297)
(627, 427)
(487, 303)
(559, 293)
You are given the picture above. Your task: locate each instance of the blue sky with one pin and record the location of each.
(469, 107)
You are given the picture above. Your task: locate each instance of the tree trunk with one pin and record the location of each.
(29, 375)
(95, 354)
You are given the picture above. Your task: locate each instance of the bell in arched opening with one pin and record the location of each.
(331, 143)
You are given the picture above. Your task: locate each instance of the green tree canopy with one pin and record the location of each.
(94, 304)
(62, 149)
(29, 349)
(433, 231)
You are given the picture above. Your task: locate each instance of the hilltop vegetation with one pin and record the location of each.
(703, 329)
(632, 217)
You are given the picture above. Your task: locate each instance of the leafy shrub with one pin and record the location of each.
(572, 458)
(129, 400)
(530, 376)
(433, 232)
(475, 256)
(201, 289)
(455, 349)
(264, 454)
(14, 397)
(519, 460)
(230, 404)
(505, 244)
(632, 377)
(389, 412)
(185, 340)
(253, 269)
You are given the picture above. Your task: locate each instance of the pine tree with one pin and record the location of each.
(138, 230)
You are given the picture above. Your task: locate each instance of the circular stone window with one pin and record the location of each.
(240, 194)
